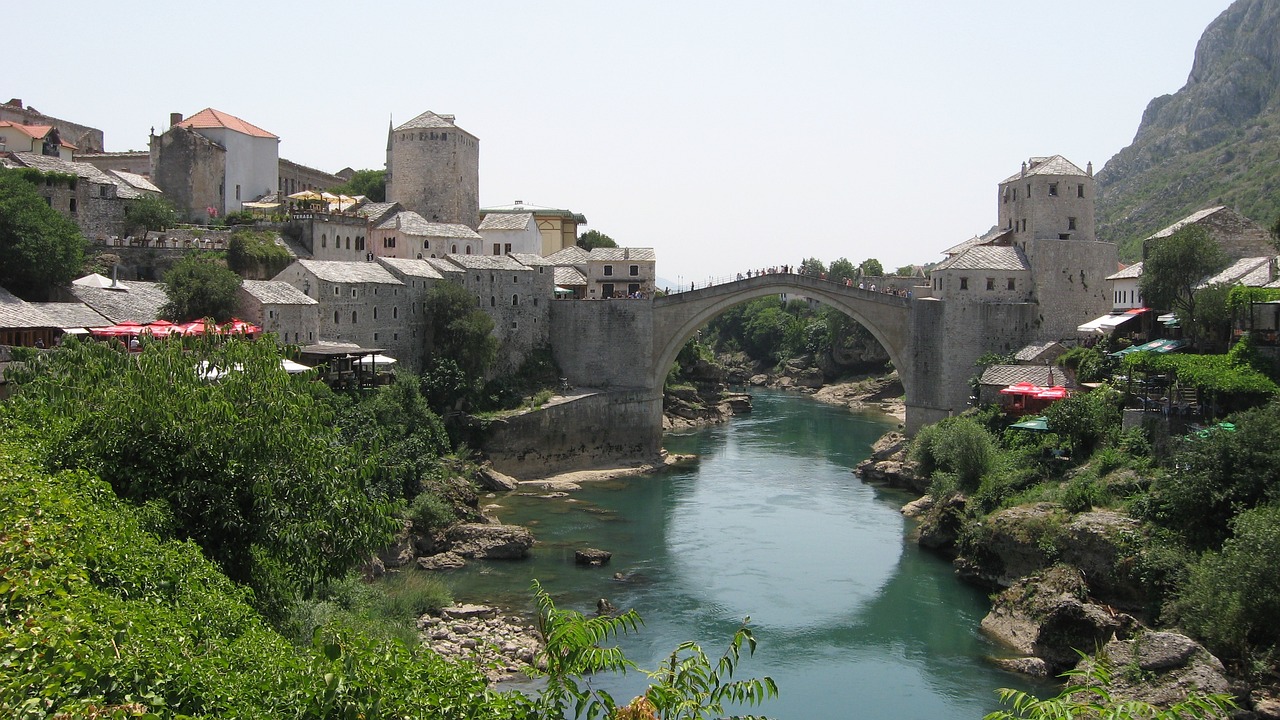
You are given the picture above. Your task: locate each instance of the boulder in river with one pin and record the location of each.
(591, 556)
(1160, 668)
(490, 542)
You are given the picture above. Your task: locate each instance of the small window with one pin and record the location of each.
(1071, 223)
(102, 191)
(515, 300)
(964, 283)
(324, 240)
(1053, 189)
(635, 270)
(375, 337)
(991, 284)
(353, 317)
(497, 248)
(1012, 285)
(395, 312)
(493, 301)
(608, 270)
(237, 192)
(375, 312)
(335, 289)
(515, 279)
(1079, 191)
(353, 292)
(271, 314)
(72, 206)
(335, 317)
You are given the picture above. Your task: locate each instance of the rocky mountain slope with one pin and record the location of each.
(1214, 142)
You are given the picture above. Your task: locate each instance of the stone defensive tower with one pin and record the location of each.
(433, 168)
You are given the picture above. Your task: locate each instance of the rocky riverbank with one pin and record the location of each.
(1063, 582)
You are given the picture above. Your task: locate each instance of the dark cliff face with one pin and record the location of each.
(1214, 142)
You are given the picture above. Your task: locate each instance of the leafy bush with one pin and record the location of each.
(957, 445)
(1232, 598)
(256, 254)
(430, 513)
(1084, 419)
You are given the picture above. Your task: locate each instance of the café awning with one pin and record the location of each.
(1110, 321)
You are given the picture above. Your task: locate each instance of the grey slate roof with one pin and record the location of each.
(1052, 165)
(349, 272)
(486, 262)
(376, 212)
(1036, 350)
(985, 257)
(1194, 217)
(532, 260)
(1250, 272)
(72, 314)
(504, 221)
(622, 254)
(1043, 375)
(1134, 271)
(17, 313)
(572, 255)
(444, 267)
(569, 276)
(411, 223)
(991, 237)
(140, 303)
(89, 172)
(412, 268)
(137, 181)
(429, 121)
(276, 292)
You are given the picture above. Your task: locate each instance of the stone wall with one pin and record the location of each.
(85, 138)
(603, 344)
(292, 178)
(605, 429)
(519, 302)
(436, 173)
(1070, 283)
(134, 161)
(189, 168)
(333, 237)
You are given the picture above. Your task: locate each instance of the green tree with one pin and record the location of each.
(1175, 266)
(871, 267)
(842, 270)
(1084, 419)
(252, 468)
(200, 286)
(149, 212)
(1232, 598)
(39, 248)
(370, 183)
(459, 335)
(960, 446)
(812, 266)
(905, 271)
(592, 239)
(256, 254)
(1210, 322)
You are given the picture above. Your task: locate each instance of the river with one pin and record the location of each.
(852, 620)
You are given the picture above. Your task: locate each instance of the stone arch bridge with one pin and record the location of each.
(616, 354)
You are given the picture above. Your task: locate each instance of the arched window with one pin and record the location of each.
(353, 317)
(375, 312)
(395, 312)
(515, 300)
(493, 301)
(324, 240)
(454, 250)
(426, 245)
(468, 249)
(335, 317)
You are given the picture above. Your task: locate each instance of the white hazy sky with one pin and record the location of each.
(726, 135)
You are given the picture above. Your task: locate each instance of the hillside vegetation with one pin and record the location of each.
(1214, 142)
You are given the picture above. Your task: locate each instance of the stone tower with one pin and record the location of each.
(433, 168)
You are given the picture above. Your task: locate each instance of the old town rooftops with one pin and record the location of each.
(430, 121)
(622, 254)
(210, 118)
(412, 268)
(487, 262)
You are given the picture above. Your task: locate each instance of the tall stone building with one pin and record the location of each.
(433, 169)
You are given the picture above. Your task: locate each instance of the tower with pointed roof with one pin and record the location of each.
(433, 169)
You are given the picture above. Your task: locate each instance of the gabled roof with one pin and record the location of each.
(411, 223)
(343, 271)
(622, 254)
(72, 314)
(985, 257)
(1052, 165)
(572, 255)
(444, 267)
(411, 268)
(376, 212)
(276, 292)
(36, 132)
(994, 236)
(486, 262)
(532, 259)
(1250, 272)
(210, 118)
(140, 303)
(505, 221)
(137, 181)
(1034, 351)
(1131, 272)
(17, 313)
(1042, 375)
(428, 121)
(569, 276)
(1194, 217)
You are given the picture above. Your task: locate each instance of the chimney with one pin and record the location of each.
(174, 119)
(448, 118)
(1090, 170)
(115, 272)
(15, 102)
(1024, 169)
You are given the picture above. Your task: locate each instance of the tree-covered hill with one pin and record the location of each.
(1214, 142)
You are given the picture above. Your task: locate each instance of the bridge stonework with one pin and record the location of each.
(627, 347)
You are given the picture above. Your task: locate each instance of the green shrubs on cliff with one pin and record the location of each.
(958, 446)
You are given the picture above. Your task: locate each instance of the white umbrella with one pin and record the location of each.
(377, 361)
(292, 367)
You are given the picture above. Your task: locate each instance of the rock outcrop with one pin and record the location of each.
(502, 646)
(478, 541)
(1160, 668)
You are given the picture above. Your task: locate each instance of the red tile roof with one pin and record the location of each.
(210, 118)
(35, 132)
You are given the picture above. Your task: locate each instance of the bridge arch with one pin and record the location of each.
(678, 317)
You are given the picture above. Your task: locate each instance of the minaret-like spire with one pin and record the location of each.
(390, 129)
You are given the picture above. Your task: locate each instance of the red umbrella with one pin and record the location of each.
(118, 330)
(240, 327)
(1022, 388)
(1057, 392)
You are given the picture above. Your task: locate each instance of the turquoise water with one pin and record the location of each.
(852, 621)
